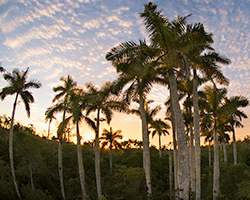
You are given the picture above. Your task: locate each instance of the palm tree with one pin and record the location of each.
(215, 99)
(63, 92)
(18, 85)
(159, 127)
(169, 37)
(49, 118)
(235, 118)
(74, 108)
(133, 63)
(110, 139)
(103, 102)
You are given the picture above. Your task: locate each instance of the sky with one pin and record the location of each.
(56, 38)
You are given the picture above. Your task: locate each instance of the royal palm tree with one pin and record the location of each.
(109, 138)
(75, 109)
(159, 127)
(215, 107)
(49, 118)
(236, 116)
(103, 102)
(63, 92)
(135, 65)
(18, 85)
(175, 42)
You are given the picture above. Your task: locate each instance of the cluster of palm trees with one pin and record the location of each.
(180, 57)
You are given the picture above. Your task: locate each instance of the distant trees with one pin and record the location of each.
(109, 138)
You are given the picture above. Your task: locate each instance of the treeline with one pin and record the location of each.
(37, 171)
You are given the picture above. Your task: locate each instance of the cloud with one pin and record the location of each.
(42, 32)
(49, 11)
(94, 23)
(120, 22)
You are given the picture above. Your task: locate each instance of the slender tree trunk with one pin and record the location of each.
(197, 138)
(48, 129)
(60, 167)
(31, 177)
(234, 147)
(170, 174)
(60, 164)
(209, 154)
(97, 158)
(11, 148)
(80, 164)
(160, 146)
(192, 160)
(175, 153)
(110, 161)
(146, 152)
(183, 174)
(224, 150)
(216, 183)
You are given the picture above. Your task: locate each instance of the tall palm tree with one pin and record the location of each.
(18, 85)
(75, 108)
(103, 102)
(169, 37)
(135, 65)
(235, 118)
(109, 138)
(215, 99)
(158, 126)
(63, 92)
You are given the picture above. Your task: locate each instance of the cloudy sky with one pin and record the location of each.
(56, 38)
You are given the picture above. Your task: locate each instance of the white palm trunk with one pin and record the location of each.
(60, 168)
(170, 173)
(234, 148)
(80, 164)
(216, 183)
(11, 148)
(197, 138)
(146, 152)
(224, 150)
(175, 153)
(192, 161)
(183, 172)
(97, 158)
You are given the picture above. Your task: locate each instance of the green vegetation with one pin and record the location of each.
(36, 158)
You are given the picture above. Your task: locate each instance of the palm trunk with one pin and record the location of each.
(97, 158)
(80, 163)
(209, 154)
(60, 165)
(60, 168)
(146, 152)
(31, 177)
(110, 161)
(197, 138)
(224, 150)
(160, 146)
(170, 174)
(183, 174)
(192, 160)
(11, 148)
(175, 152)
(234, 148)
(216, 183)
(48, 129)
